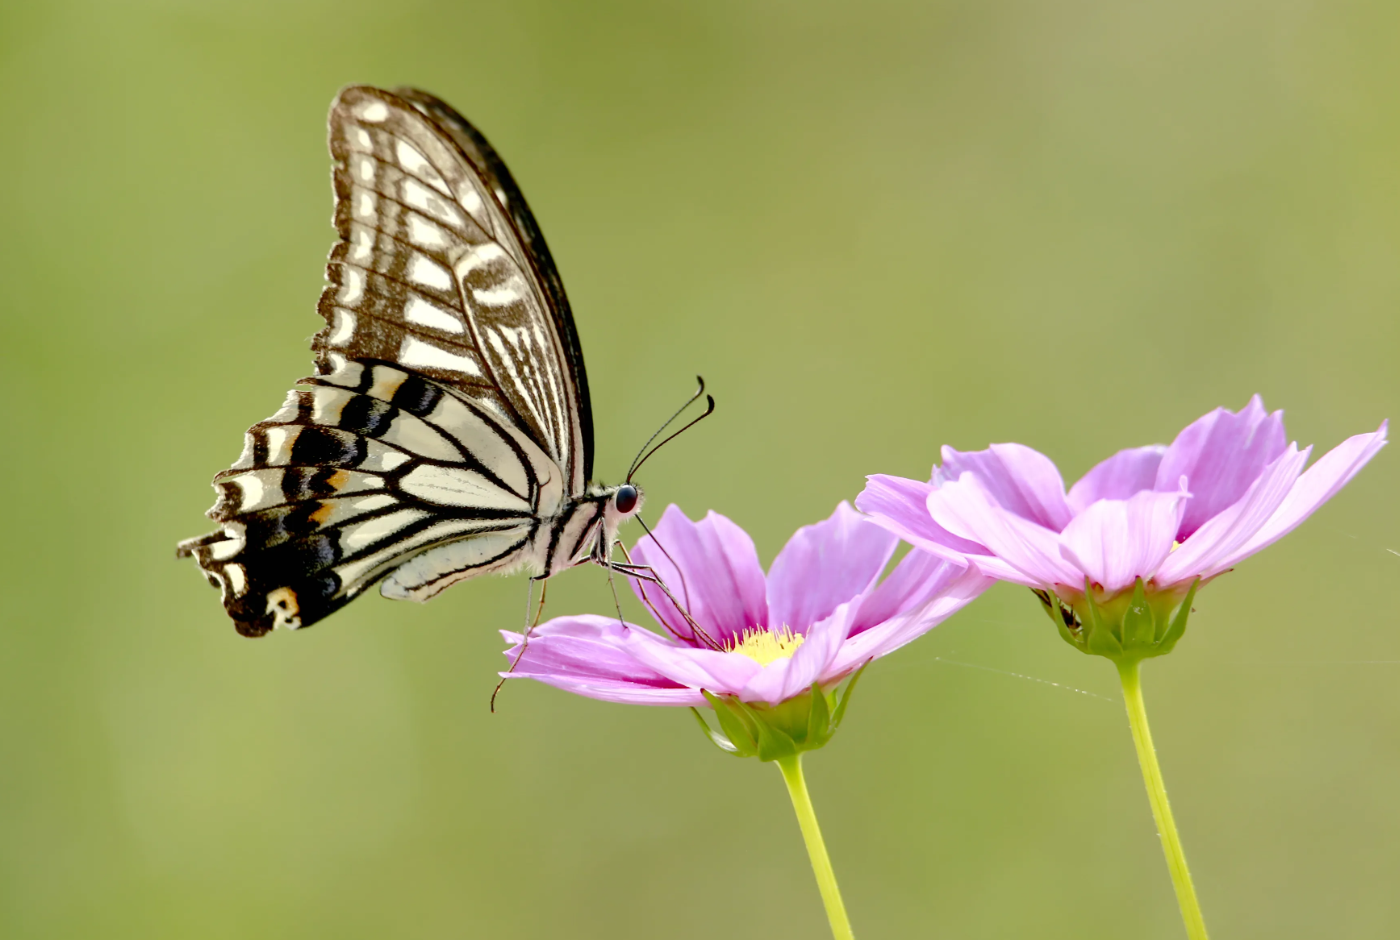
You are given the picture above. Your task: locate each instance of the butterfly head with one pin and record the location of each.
(619, 503)
(623, 503)
(627, 500)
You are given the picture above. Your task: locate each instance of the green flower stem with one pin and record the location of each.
(791, 766)
(1157, 796)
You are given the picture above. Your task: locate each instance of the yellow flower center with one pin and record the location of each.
(765, 646)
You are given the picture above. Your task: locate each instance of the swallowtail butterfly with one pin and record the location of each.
(447, 432)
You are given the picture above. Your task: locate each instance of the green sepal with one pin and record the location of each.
(1073, 639)
(1178, 624)
(1050, 604)
(773, 743)
(840, 713)
(1056, 609)
(1125, 627)
(1099, 639)
(804, 722)
(716, 738)
(1092, 622)
(733, 726)
(819, 727)
(1138, 628)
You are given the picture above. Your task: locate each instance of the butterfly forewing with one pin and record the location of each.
(431, 274)
(448, 423)
(524, 233)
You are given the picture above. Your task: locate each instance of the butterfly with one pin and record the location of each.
(447, 432)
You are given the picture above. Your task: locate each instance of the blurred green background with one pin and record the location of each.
(875, 228)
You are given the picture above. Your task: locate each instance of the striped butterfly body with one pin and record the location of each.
(447, 432)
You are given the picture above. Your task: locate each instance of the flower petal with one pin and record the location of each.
(785, 678)
(993, 567)
(719, 579)
(916, 579)
(1117, 541)
(1204, 553)
(1221, 454)
(583, 645)
(585, 654)
(623, 693)
(1021, 480)
(715, 671)
(900, 505)
(1316, 486)
(1030, 552)
(883, 638)
(825, 565)
(1119, 477)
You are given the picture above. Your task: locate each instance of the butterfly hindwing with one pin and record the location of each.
(358, 472)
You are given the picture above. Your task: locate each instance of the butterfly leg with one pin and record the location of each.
(529, 629)
(685, 586)
(613, 587)
(648, 574)
(539, 611)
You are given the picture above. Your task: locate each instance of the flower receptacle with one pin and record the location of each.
(1125, 626)
(802, 723)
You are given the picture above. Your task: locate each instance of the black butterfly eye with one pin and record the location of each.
(625, 499)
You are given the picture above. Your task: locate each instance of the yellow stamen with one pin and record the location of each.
(764, 646)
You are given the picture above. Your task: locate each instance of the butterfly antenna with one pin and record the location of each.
(709, 410)
(637, 461)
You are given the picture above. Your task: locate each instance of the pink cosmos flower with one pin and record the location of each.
(1227, 487)
(1116, 560)
(820, 613)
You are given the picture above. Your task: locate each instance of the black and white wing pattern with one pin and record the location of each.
(447, 432)
(533, 250)
(434, 274)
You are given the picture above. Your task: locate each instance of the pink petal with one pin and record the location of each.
(1320, 483)
(1030, 553)
(917, 578)
(1117, 541)
(621, 692)
(715, 671)
(1021, 480)
(825, 565)
(1204, 552)
(1221, 455)
(585, 645)
(585, 654)
(901, 506)
(886, 637)
(719, 579)
(993, 567)
(786, 678)
(1119, 477)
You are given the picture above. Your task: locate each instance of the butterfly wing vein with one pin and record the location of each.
(448, 421)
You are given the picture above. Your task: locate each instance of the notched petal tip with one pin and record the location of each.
(1020, 479)
(825, 565)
